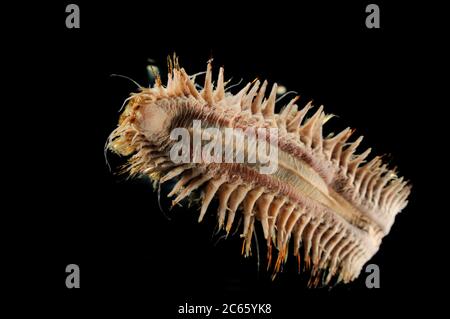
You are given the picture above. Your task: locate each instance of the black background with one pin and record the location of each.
(132, 258)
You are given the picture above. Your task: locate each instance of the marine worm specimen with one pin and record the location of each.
(332, 204)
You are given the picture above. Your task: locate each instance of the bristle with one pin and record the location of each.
(208, 89)
(235, 200)
(333, 146)
(175, 172)
(307, 130)
(348, 152)
(256, 105)
(249, 203)
(354, 164)
(285, 212)
(269, 106)
(224, 195)
(288, 109)
(220, 88)
(196, 183)
(294, 124)
(263, 204)
(240, 97)
(191, 86)
(210, 191)
(248, 99)
(274, 210)
(183, 180)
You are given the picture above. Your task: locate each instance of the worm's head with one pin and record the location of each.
(146, 119)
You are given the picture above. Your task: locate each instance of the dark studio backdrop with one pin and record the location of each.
(133, 258)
